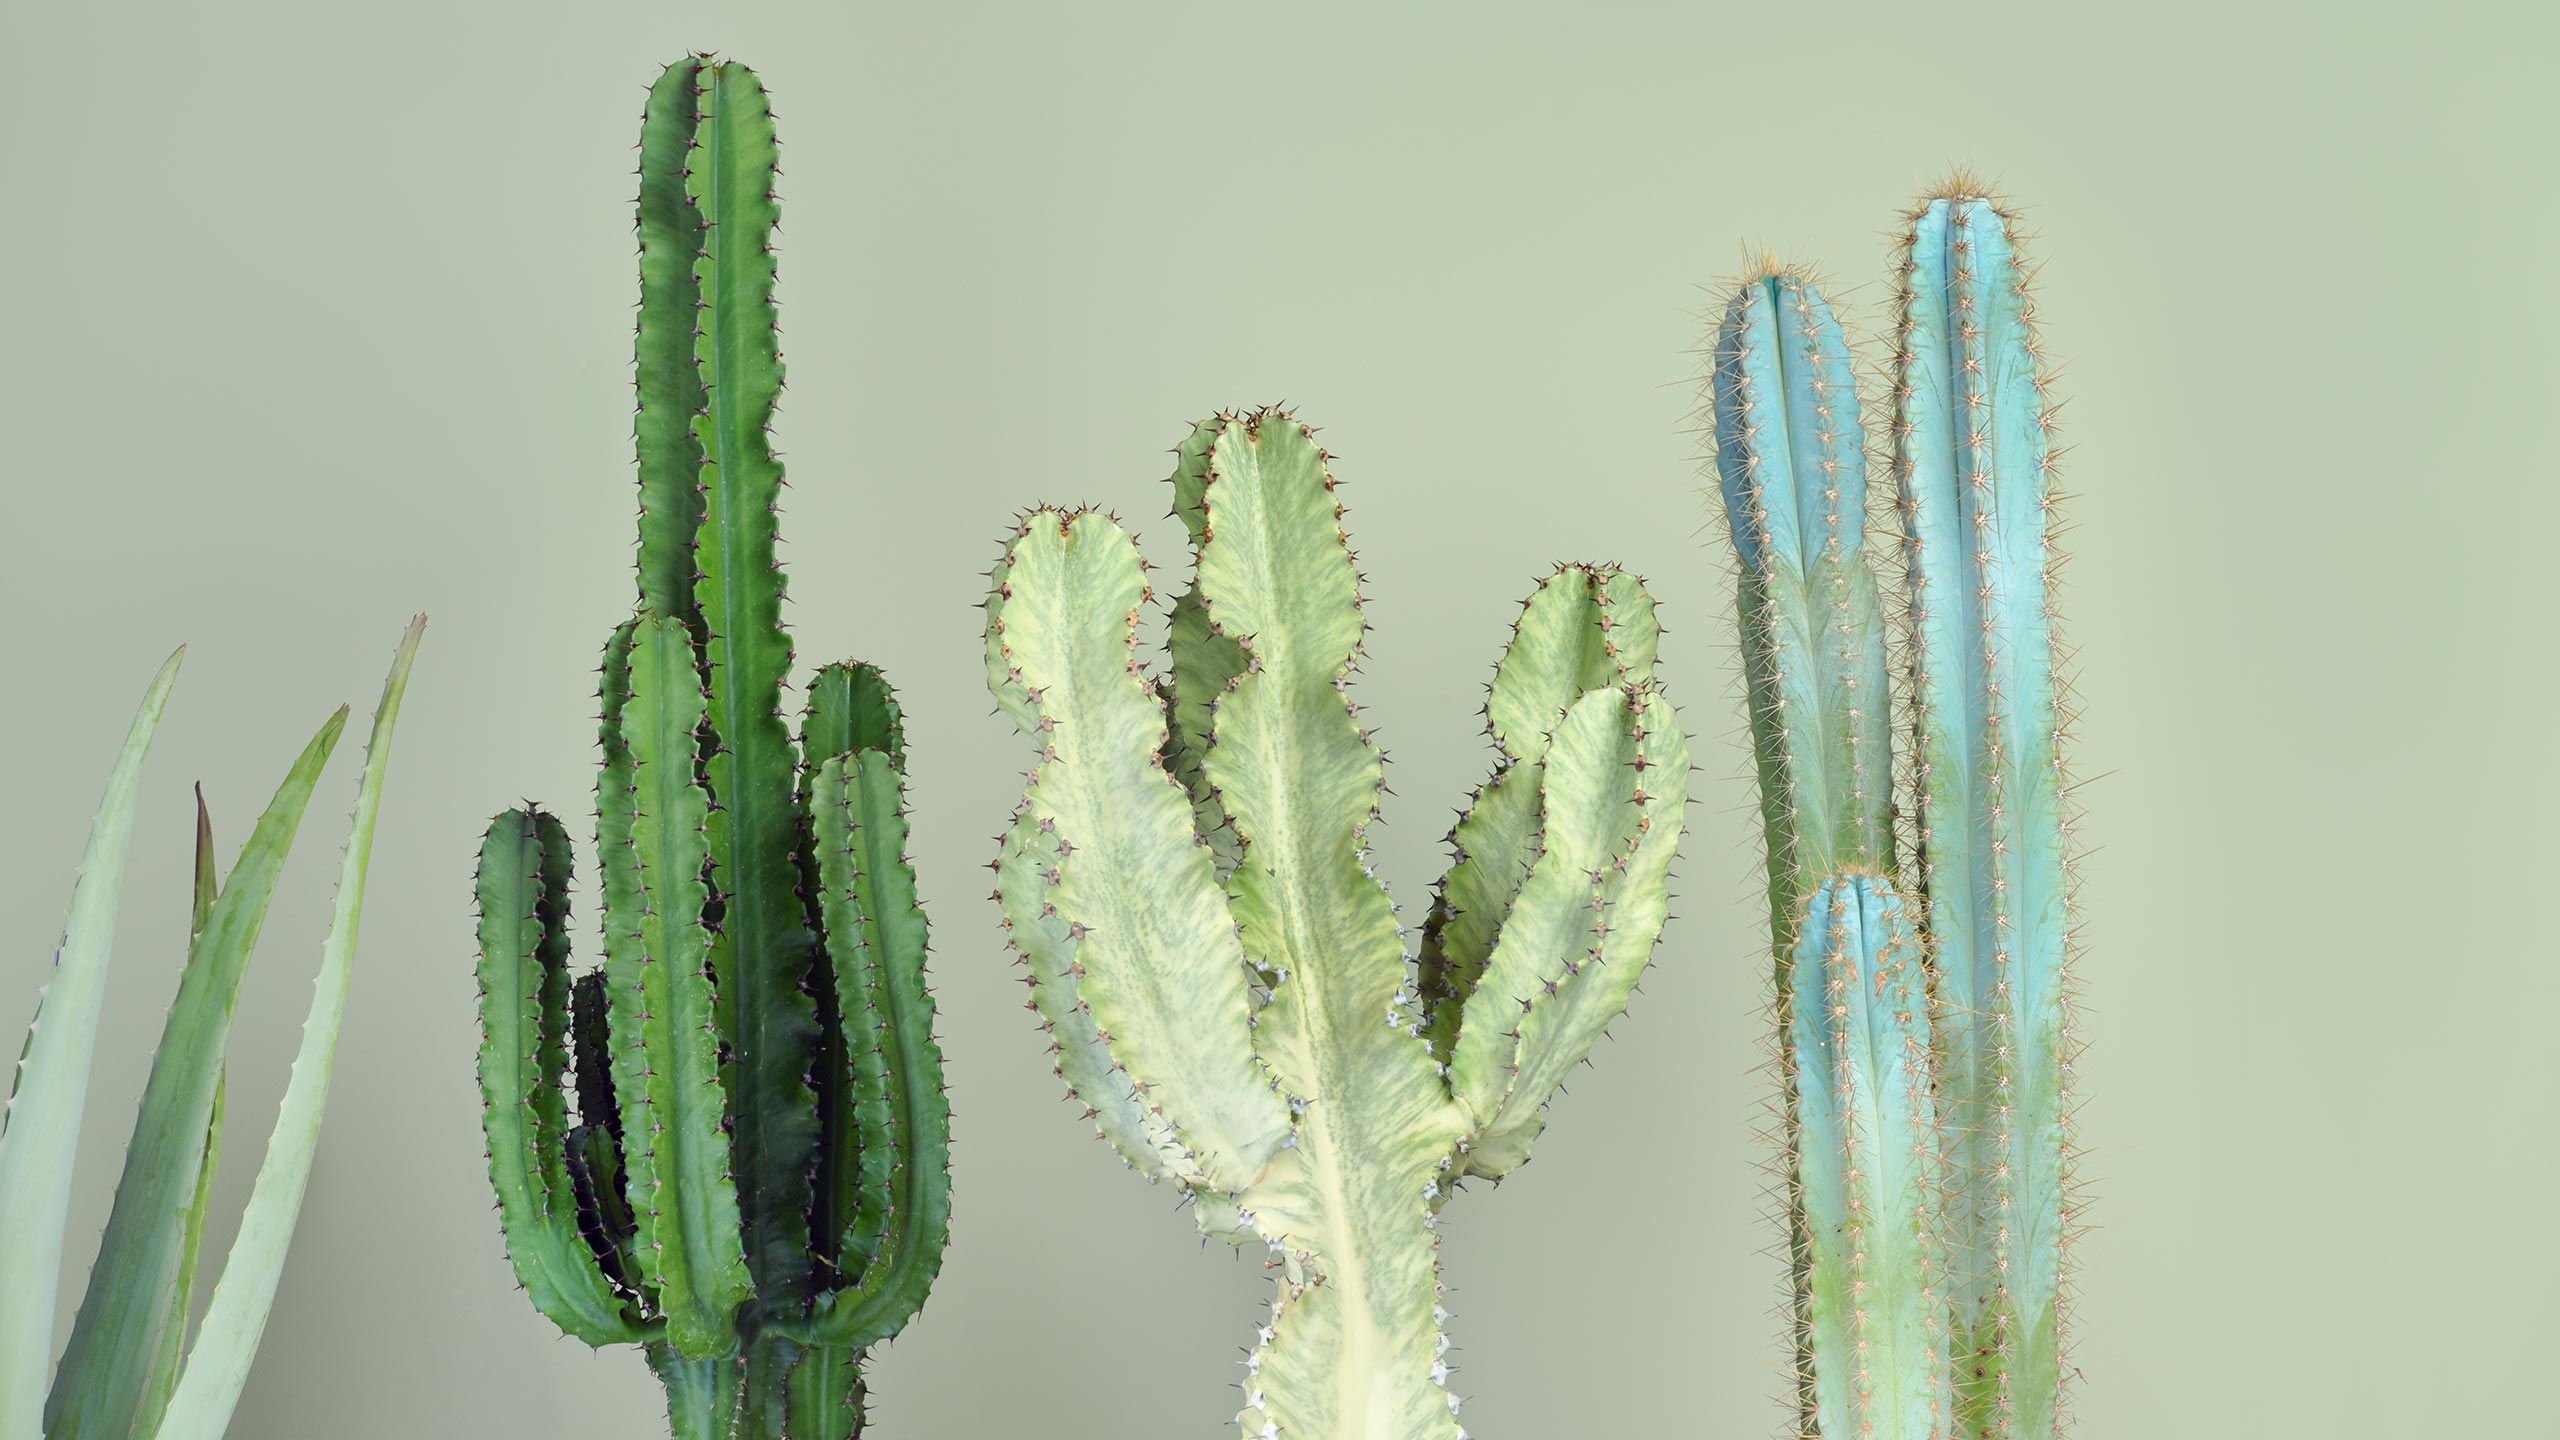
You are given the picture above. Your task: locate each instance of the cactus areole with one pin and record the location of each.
(1225, 983)
(753, 1184)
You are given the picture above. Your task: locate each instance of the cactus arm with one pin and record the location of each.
(762, 949)
(1588, 785)
(1585, 627)
(1871, 1277)
(1038, 935)
(1299, 776)
(50, 1088)
(1971, 460)
(876, 936)
(1790, 460)
(1164, 974)
(852, 707)
(218, 1364)
(97, 1390)
(1352, 1348)
(1617, 908)
(1202, 661)
(1026, 867)
(669, 386)
(524, 957)
(667, 1077)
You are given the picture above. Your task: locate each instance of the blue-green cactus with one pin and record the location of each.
(1928, 1120)
(1972, 467)
(755, 1186)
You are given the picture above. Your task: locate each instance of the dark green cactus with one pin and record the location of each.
(754, 1185)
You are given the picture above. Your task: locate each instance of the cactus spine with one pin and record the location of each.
(1925, 1039)
(755, 1184)
(1224, 982)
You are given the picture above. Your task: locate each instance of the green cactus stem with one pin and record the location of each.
(755, 1186)
(1224, 983)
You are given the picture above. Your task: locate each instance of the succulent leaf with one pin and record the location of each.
(49, 1089)
(99, 1388)
(217, 1365)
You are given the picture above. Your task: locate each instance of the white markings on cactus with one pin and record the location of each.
(1210, 951)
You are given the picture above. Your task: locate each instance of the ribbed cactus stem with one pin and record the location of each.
(1869, 1290)
(1972, 468)
(1867, 1167)
(1790, 459)
(757, 1188)
(1222, 979)
(1986, 1061)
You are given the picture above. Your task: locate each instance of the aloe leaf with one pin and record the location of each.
(163, 1380)
(42, 1118)
(219, 1363)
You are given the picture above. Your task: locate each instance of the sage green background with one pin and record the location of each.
(319, 316)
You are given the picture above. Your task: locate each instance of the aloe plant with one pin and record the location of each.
(1223, 980)
(1923, 980)
(129, 1372)
(754, 1186)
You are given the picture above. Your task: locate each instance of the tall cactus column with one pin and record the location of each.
(755, 1186)
(1925, 1028)
(1972, 464)
(1223, 980)
(1863, 1171)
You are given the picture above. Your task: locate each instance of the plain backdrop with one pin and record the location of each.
(319, 315)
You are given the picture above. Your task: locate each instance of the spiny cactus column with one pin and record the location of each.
(755, 1187)
(1223, 980)
(1867, 1243)
(1927, 1071)
(1972, 469)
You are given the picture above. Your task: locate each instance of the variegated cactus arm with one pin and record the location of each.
(524, 999)
(1354, 1342)
(1201, 661)
(1791, 465)
(1025, 870)
(1971, 463)
(1871, 1297)
(1585, 628)
(1583, 928)
(1163, 975)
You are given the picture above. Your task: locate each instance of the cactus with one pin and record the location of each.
(1224, 982)
(1923, 980)
(754, 1185)
(129, 1371)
